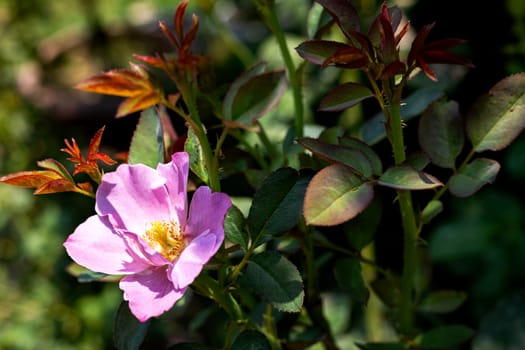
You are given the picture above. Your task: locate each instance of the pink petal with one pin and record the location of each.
(176, 175)
(149, 293)
(207, 212)
(97, 247)
(192, 259)
(133, 196)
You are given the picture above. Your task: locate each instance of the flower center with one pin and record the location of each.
(167, 238)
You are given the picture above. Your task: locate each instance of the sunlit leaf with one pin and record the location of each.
(473, 176)
(404, 177)
(56, 166)
(128, 332)
(276, 280)
(196, 154)
(56, 186)
(498, 117)
(30, 179)
(345, 96)
(147, 143)
(138, 103)
(352, 157)
(441, 133)
(335, 195)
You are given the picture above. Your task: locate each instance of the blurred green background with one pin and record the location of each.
(48, 46)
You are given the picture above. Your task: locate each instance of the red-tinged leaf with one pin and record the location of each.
(404, 177)
(178, 20)
(347, 57)
(426, 69)
(94, 143)
(395, 15)
(56, 186)
(192, 33)
(157, 61)
(317, 51)
(30, 179)
(344, 14)
(444, 44)
(388, 47)
(117, 82)
(444, 57)
(393, 69)
(55, 166)
(335, 195)
(138, 103)
(399, 35)
(73, 150)
(418, 42)
(344, 96)
(86, 186)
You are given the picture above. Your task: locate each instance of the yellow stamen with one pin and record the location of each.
(167, 238)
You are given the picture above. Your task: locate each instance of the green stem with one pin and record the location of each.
(410, 231)
(271, 19)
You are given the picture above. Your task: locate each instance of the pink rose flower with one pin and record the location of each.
(143, 230)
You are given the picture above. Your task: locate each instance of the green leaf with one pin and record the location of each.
(147, 144)
(388, 290)
(349, 277)
(251, 340)
(431, 210)
(443, 301)
(234, 227)
(189, 346)
(276, 280)
(194, 149)
(277, 204)
(404, 177)
(344, 96)
(473, 176)
(441, 133)
(373, 130)
(335, 195)
(317, 51)
(498, 117)
(352, 157)
(253, 95)
(444, 337)
(355, 143)
(128, 332)
(57, 167)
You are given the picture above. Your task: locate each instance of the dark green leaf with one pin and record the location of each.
(387, 289)
(227, 104)
(349, 277)
(344, 96)
(335, 195)
(147, 144)
(277, 204)
(382, 346)
(354, 143)
(189, 346)
(443, 301)
(498, 117)
(444, 337)
(252, 96)
(251, 340)
(234, 228)
(471, 178)
(317, 51)
(128, 332)
(276, 280)
(404, 177)
(441, 133)
(353, 158)
(194, 149)
(360, 230)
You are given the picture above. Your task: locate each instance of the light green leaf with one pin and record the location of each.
(335, 195)
(471, 178)
(147, 144)
(194, 149)
(276, 280)
(404, 177)
(498, 117)
(431, 210)
(440, 133)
